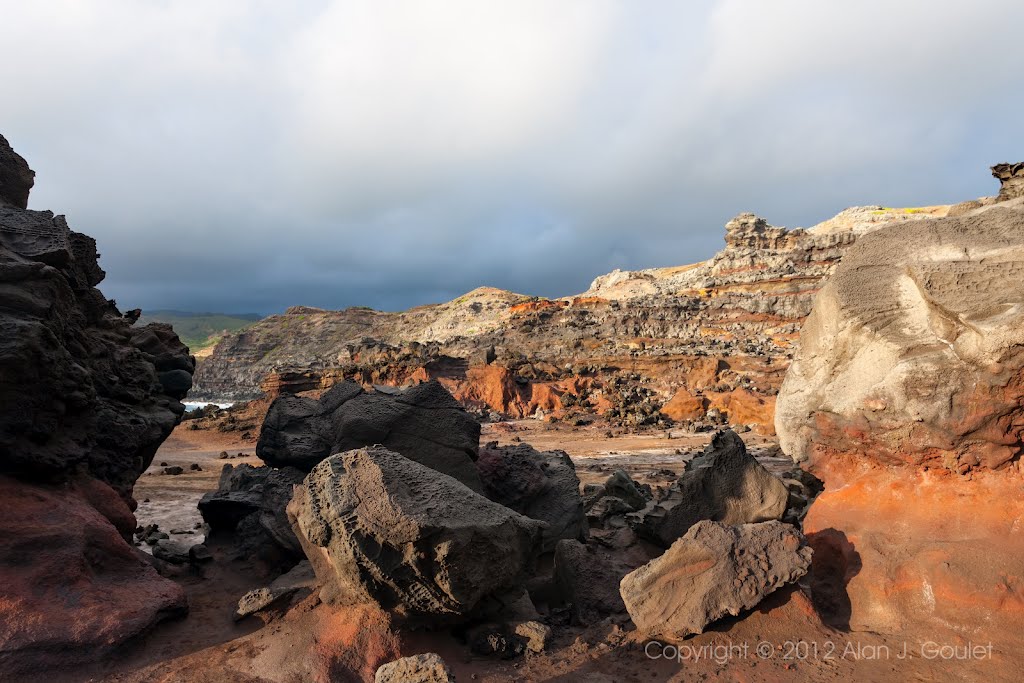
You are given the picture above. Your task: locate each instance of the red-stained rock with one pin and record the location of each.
(703, 373)
(913, 551)
(313, 642)
(685, 406)
(71, 588)
(907, 400)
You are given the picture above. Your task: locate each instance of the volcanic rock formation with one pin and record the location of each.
(249, 503)
(907, 399)
(713, 571)
(725, 484)
(423, 423)
(1011, 180)
(380, 527)
(85, 400)
(542, 486)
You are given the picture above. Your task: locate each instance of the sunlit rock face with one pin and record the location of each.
(907, 398)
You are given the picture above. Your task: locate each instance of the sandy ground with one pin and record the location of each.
(170, 500)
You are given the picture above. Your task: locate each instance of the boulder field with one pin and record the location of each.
(907, 399)
(85, 401)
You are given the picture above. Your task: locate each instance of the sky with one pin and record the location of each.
(246, 156)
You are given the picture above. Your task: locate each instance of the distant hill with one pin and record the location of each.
(200, 331)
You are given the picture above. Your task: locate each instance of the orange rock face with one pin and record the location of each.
(744, 407)
(907, 400)
(919, 552)
(71, 588)
(685, 406)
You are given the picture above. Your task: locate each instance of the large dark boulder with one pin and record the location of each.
(713, 571)
(540, 485)
(724, 484)
(80, 388)
(423, 423)
(379, 527)
(250, 503)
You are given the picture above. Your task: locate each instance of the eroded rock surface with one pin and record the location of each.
(713, 571)
(724, 484)
(250, 503)
(1011, 180)
(424, 668)
(540, 485)
(422, 422)
(380, 527)
(16, 178)
(906, 400)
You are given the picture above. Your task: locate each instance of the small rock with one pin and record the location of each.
(424, 668)
(176, 470)
(534, 634)
(199, 554)
(171, 551)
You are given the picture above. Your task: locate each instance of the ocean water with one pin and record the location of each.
(193, 405)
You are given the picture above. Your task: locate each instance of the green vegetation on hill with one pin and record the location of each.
(200, 330)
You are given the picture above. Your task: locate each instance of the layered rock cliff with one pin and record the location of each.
(907, 399)
(85, 401)
(709, 341)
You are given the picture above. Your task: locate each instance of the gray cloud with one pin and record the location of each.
(247, 155)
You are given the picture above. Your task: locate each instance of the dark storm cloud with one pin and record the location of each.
(248, 156)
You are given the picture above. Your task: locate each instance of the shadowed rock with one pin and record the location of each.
(713, 571)
(423, 423)
(724, 484)
(71, 589)
(540, 485)
(380, 527)
(589, 581)
(250, 502)
(16, 178)
(85, 401)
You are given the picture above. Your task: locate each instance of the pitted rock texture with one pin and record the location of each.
(1011, 180)
(540, 485)
(715, 570)
(379, 527)
(422, 422)
(724, 484)
(423, 668)
(907, 399)
(79, 386)
(250, 503)
(620, 350)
